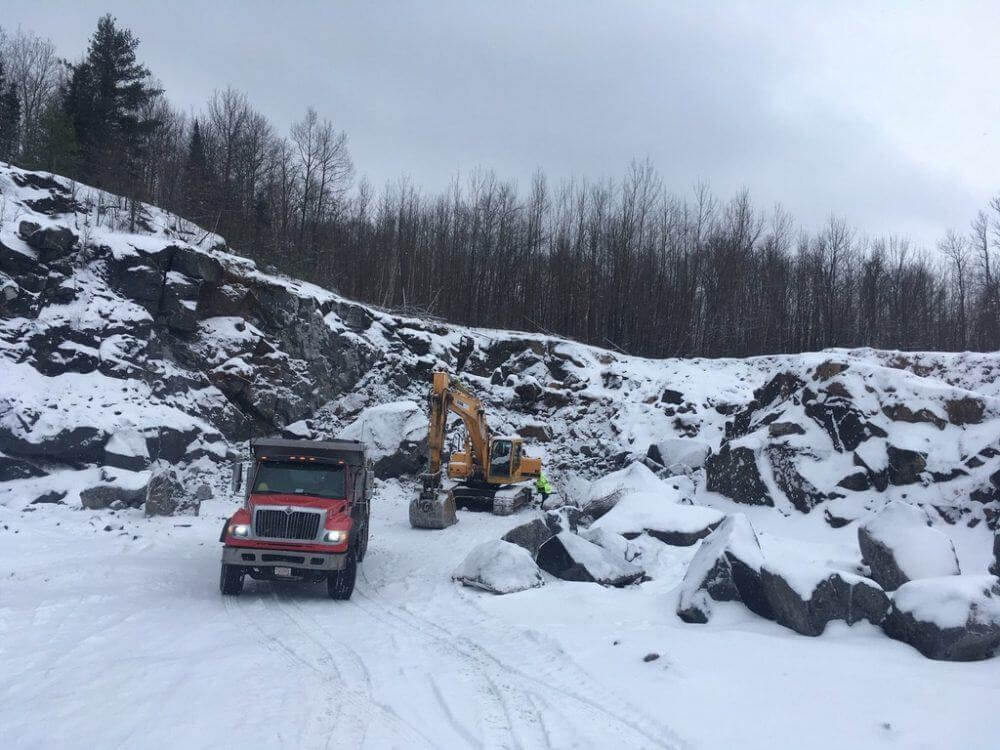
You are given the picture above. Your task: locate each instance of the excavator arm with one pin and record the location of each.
(448, 396)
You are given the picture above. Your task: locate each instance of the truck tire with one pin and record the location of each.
(340, 583)
(231, 580)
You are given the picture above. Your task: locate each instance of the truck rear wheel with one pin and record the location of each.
(340, 583)
(231, 580)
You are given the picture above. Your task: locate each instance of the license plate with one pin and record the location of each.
(283, 572)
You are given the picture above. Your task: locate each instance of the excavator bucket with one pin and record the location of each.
(433, 509)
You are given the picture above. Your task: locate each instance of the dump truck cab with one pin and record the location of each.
(305, 515)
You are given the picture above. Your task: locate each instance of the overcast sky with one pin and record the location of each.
(884, 113)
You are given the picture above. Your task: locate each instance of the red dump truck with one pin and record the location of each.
(305, 517)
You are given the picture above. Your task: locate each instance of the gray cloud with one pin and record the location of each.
(880, 113)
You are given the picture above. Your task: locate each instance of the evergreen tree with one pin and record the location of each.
(54, 147)
(10, 116)
(105, 98)
(197, 177)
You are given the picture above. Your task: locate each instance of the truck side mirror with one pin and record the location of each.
(237, 477)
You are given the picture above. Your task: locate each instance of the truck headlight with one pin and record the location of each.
(239, 529)
(335, 536)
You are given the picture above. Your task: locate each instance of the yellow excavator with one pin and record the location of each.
(482, 473)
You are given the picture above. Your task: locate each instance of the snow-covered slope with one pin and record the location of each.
(123, 352)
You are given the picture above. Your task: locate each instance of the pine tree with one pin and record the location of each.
(105, 97)
(197, 177)
(10, 116)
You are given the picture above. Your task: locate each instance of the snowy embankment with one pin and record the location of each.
(157, 353)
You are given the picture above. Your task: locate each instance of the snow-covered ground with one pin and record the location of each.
(113, 634)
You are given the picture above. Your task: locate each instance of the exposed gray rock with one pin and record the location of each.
(12, 468)
(834, 596)
(898, 545)
(50, 498)
(166, 495)
(108, 495)
(953, 618)
(734, 473)
(905, 466)
(531, 536)
(573, 558)
(726, 567)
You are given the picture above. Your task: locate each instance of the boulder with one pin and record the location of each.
(126, 449)
(52, 243)
(604, 493)
(661, 517)
(499, 567)
(905, 466)
(534, 431)
(531, 536)
(614, 543)
(528, 390)
(111, 495)
(396, 437)
(12, 468)
(679, 455)
(50, 498)
(953, 618)
(572, 558)
(899, 545)
(726, 567)
(166, 495)
(805, 597)
(799, 490)
(733, 472)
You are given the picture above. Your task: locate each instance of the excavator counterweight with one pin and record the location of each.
(485, 474)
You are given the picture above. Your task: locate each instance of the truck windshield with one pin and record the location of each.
(293, 478)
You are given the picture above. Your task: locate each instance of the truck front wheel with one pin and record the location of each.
(231, 580)
(340, 583)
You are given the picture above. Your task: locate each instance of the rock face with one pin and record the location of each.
(899, 545)
(573, 558)
(734, 473)
(498, 567)
(726, 568)
(954, 618)
(807, 604)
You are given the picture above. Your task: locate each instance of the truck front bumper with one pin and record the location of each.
(254, 557)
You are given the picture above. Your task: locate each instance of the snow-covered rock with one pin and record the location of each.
(167, 494)
(499, 567)
(661, 517)
(679, 455)
(954, 618)
(395, 435)
(806, 597)
(899, 545)
(531, 535)
(726, 567)
(612, 542)
(604, 493)
(573, 558)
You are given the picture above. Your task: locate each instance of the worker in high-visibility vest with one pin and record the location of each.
(543, 487)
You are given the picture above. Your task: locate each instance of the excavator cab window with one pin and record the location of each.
(500, 458)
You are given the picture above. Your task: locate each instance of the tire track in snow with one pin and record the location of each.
(555, 685)
(501, 719)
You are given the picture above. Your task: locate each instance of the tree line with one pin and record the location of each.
(619, 263)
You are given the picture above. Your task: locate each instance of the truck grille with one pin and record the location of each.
(279, 524)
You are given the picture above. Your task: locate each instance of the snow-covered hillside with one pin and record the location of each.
(127, 354)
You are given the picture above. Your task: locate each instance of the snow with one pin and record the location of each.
(127, 443)
(499, 567)
(950, 601)
(384, 427)
(643, 511)
(602, 564)
(919, 550)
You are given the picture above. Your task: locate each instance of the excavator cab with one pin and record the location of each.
(505, 460)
